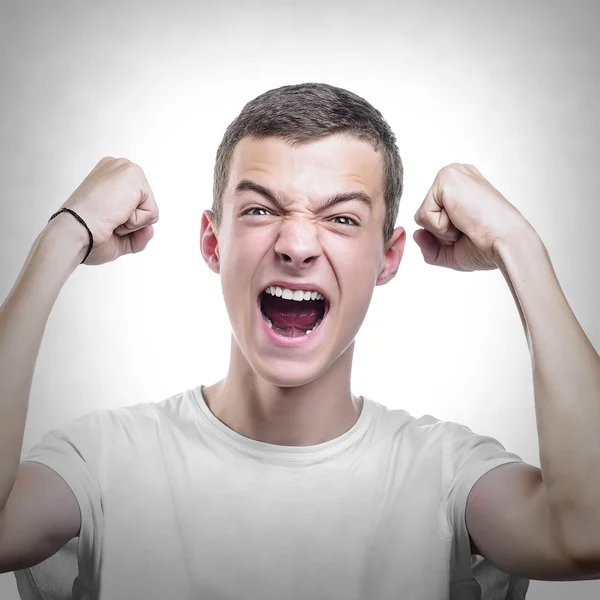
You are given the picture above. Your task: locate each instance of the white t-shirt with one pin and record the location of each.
(177, 505)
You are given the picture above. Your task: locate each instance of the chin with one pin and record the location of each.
(293, 362)
(301, 370)
(287, 374)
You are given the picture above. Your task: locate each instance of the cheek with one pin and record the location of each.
(238, 250)
(359, 262)
(240, 263)
(236, 279)
(357, 277)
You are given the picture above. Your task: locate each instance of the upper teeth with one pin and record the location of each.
(288, 294)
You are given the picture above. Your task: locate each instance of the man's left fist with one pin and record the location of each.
(464, 216)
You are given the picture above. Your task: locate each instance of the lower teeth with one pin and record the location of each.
(316, 325)
(270, 324)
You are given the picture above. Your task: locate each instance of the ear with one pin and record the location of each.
(394, 249)
(209, 242)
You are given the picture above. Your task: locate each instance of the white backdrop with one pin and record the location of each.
(511, 87)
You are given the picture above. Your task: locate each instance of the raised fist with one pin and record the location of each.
(118, 206)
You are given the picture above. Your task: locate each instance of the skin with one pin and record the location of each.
(539, 523)
(297, 396)
(528, 521)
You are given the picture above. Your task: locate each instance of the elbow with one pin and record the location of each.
(581, 544)
(587, 566)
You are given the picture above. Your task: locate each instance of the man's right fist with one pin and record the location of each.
(117, 204)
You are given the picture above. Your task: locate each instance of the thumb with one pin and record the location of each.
(136, 241)
(429, 245)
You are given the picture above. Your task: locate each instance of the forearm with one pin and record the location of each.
(55, 254)
(566, 379)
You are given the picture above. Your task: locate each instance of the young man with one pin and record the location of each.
(278, 481)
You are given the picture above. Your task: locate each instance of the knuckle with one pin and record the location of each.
(136, 170)
(122, 162)
(454, 173)
(452, 169)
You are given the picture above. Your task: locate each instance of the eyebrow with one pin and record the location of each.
(247, 185)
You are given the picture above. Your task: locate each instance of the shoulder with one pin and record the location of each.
(150, 414)
(107, 428)
(424, 435)
(459, 450)
(394, 421)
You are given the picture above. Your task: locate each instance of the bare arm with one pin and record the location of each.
(38, 511)
(535, 523)
(55, 254)
(545, 523)
(40, 517)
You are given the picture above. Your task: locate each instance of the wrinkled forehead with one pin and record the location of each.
(320, 168)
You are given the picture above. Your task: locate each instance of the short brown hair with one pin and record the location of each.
(306, 112)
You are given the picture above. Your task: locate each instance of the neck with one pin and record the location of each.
(306, 415)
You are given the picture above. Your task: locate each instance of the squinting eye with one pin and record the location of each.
(256, 208)
(348, 220)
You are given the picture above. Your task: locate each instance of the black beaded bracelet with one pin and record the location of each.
(82, 222)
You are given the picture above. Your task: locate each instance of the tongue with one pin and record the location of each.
(285, 314)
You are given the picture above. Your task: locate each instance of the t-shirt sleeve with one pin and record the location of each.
(467, 457)
(72, 451)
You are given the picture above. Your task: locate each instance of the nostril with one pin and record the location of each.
(298, 260)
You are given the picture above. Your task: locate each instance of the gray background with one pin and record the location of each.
(511, 87)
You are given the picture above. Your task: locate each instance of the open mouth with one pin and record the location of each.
(292, 313)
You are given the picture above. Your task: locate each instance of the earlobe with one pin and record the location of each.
(392, 257)
(209, 243)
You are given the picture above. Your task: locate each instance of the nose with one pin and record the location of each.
(297, 244)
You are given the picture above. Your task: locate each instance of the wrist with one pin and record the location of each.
(521, 239)
(65, 230)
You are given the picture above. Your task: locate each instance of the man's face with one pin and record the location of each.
(275, 233)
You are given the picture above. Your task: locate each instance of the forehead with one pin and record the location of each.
(315, 169)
